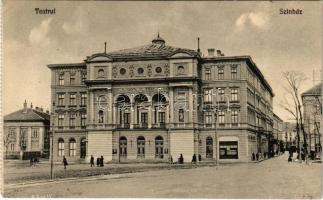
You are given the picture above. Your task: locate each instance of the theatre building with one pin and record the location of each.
(150, 103)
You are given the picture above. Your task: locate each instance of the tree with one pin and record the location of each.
(293, 104)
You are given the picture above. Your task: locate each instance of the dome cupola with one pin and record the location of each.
(158, 40)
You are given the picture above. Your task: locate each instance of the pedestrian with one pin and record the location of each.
(257, 156)
(92, 161)
(253, 156)
(101, 161)
(97, 161)
(181, 159)
(65, 162)
(193, 158)
(200, 158)
(171, 159)
(31, 161)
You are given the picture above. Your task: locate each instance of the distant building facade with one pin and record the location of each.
(155, 102)
(278, 134)
(312, 104)
(290, 137)
(26, 133)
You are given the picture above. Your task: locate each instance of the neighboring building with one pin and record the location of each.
(312, 104)
(290, 137)
(156, 101)
(26, 133)
(278, 134)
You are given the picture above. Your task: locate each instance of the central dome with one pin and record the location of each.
(158, 40)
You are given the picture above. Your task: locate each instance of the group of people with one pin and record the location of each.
(194, 159)
(99, 161)
(33, 161)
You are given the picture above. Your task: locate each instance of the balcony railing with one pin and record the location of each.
(159, 125)
(141, 125)
(123, 126)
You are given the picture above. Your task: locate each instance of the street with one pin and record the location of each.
(273, 178)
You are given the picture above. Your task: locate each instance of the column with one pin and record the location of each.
(149, 116)
(114, 114)
(171, 106)
(190, 106)
(28, 139)
(110, 108)
(41, 139)
(132, 115)
(18, 139)
(90, 108)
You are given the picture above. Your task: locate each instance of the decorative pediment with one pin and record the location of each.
(180, 54)
(98, 58)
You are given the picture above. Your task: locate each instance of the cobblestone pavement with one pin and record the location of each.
(274, 178)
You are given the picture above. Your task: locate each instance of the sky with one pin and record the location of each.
(276, 42)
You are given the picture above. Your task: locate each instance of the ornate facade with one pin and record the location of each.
(155, 102)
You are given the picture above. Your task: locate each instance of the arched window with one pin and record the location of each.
(100, 73)
(209, 147)
(72, 147)
(83, 148)
(141, 147)
(61, 147)
(101, 116)
(159, 147)
(123, 147)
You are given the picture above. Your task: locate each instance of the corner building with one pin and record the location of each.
(155, 101)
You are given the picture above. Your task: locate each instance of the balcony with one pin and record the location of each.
(159, 126)
(123, 126)
(140, 126)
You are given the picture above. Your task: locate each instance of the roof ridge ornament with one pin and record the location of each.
(158, 40)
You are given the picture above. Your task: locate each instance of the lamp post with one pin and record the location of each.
(52, 145)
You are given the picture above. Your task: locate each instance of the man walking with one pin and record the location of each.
(65, 162)
(92, 161)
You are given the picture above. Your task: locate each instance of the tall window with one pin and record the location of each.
(159, 147)
(181, 115)
(126, 118)
(161, 117)
(72, 99)
(83, 99)
(233, 72)
(123, 146)
(72, 120)
(234, 116)
(207, 95)
(35, 133)
(234, 94)
(61, 99)
(209, 147)
(72, 147)
(61, 79)
(60, 120)
(100, 116)
(207, 74)
(208, 117)
(72, 78)
(83, 77)
(221, 116)
(61, 147)
(144, 118)
(83, 120)
(140, 147)
(221, 73)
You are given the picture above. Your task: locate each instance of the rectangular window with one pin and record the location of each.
(181, 115)
(72, 148)
(234, 116)
(234, 72)
(221, 117)
(72, 120)
(228, 149)
(126, 118)
(83, 99)
(83, 120)
(60, 148)
(60, 120)
(61, 79)
(207, 74)
(61, 98)
(221, 73)
(72, 78)
(234, 94)
(73, 99)
(83, 77)
(208, 118)
(35, 133)
(208, 95)
(144, 118)
(12, 147)
(161, 117)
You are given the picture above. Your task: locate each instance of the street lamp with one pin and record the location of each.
(52, 144)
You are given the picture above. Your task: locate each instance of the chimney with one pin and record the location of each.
(47, 111)
(198, 46)
(37, 108)
(41, 109)
(210, 52)
(218, 52)
(31, 105)
(25, 107)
